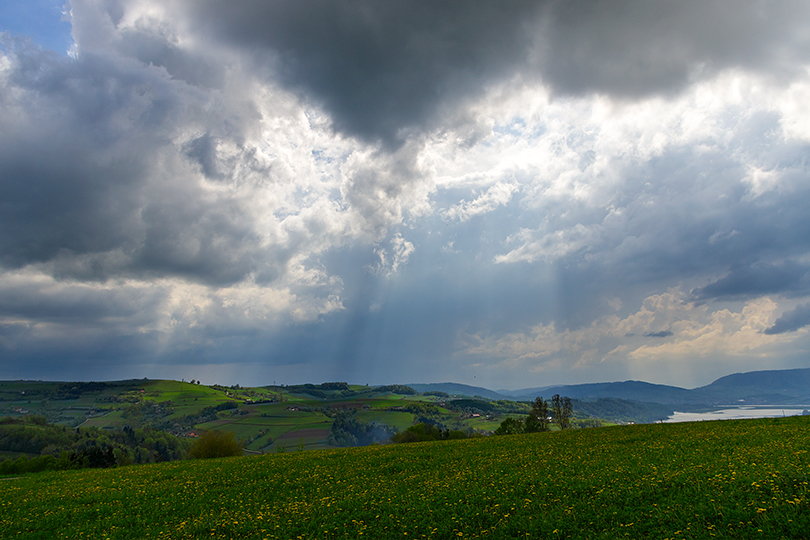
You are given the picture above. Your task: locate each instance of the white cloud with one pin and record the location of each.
(497, 195)
(598, 174)
(667, 331)
(536, 245)
(723, 332)
(392, 258)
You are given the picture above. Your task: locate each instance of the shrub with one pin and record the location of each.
(417, 433)
(213, 444)
(427, 432)
(510, 426)
(397, 389)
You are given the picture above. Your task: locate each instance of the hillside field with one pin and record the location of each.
(265, 419)
(733, 479)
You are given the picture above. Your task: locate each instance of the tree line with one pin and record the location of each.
(50, 447)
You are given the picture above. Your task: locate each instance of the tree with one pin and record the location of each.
(396, 389)
(510, 426)
(425, 431)
(90, 452)
(37, 419)
(213, 444)
(538, 417)
(563, 410)
(567, 412)
(418, 433)
(347, 430)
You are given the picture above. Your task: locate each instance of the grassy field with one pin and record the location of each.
(266, 419)
(103, 406)
(733, 479)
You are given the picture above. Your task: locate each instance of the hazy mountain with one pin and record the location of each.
(773, 386)
(631, 390)
(755, 387)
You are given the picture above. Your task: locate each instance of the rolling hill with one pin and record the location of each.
(733, 479)
(274, 418)
(458, 389)
(766, 387)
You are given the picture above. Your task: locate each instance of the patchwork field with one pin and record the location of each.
(733, 479)
(265, 419)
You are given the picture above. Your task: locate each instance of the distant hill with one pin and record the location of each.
(630, 390)
(278, 417)
(778, 387)
(457, 389)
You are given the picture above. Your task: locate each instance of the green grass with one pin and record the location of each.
(111, 419)
(396, 419)
(40, 398)
(482, 424)
(184, 395)
(275, 417)
(732, 479)
(106, 407)
(246, 428)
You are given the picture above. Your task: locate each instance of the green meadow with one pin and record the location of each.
(729, 479)
(265, 419)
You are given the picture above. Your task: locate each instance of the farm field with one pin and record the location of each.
(265, 419)
(101, 404)
(733, 479)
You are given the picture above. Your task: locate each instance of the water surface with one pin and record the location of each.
(735, 413)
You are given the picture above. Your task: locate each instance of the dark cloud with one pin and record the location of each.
(65, 186)
(49, 301)
(660, 225)
(380, 68)
(791, 321)
(386, 69)
(661, 334)
(634, 48)
(95, 187)
(686, 214)
(203, 151)
(758, 279)
(155, 45)
(74, 356)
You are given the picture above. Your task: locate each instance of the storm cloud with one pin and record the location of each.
(407, 191)
(791, 321)
(385, 70)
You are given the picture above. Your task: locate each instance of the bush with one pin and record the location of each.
(418, 433)
(396, 389)
(427, 432)
(510, 426)
(214, 444)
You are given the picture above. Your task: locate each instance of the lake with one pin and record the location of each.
(736, 413)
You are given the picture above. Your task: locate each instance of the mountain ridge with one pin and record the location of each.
(759, 387)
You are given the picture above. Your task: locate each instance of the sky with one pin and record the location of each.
(508, 195)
